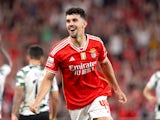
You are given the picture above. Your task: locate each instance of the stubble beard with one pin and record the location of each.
(74, 36)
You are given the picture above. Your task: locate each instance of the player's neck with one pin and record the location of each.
(80, 41)
(35, 62)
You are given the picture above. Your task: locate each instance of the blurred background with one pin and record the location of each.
(130, 30)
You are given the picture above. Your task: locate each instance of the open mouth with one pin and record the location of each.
(72, 29)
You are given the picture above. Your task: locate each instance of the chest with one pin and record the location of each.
(79, 62)
(74, 57)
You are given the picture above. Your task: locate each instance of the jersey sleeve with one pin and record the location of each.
(51, 64)
(20, 78)
(153, 80)
(102, 51)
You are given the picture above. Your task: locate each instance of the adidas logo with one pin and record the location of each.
(71, 59)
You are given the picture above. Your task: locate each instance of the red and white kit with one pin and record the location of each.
(81, 80)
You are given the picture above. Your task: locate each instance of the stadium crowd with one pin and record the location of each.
(130, 30)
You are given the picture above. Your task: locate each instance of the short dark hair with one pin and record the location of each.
(76, 10)
(35, 52)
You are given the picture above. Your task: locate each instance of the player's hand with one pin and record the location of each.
(121, 96)
(14, 117)
(34, 108)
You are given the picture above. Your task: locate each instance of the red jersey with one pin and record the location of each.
(81, 81)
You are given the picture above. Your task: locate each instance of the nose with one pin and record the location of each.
(71, 23)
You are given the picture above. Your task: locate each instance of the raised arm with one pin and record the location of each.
(111, 79)
(4, 53)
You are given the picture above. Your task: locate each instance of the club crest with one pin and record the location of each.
(93, 52)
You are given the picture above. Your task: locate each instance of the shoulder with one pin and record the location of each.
(94, 38)
(95, 41)
(155, 78)
(24, 70)
(157, 75)
(5, 69)
(59, 46)
(5, 66)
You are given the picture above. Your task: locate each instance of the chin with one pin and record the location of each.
(73, 36)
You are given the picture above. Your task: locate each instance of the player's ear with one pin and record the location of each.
(84, 24)
(42, 59)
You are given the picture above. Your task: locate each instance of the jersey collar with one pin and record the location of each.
(77, 48)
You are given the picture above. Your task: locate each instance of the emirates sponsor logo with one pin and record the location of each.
(82, 68)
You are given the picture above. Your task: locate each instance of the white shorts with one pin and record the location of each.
(98, 108)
